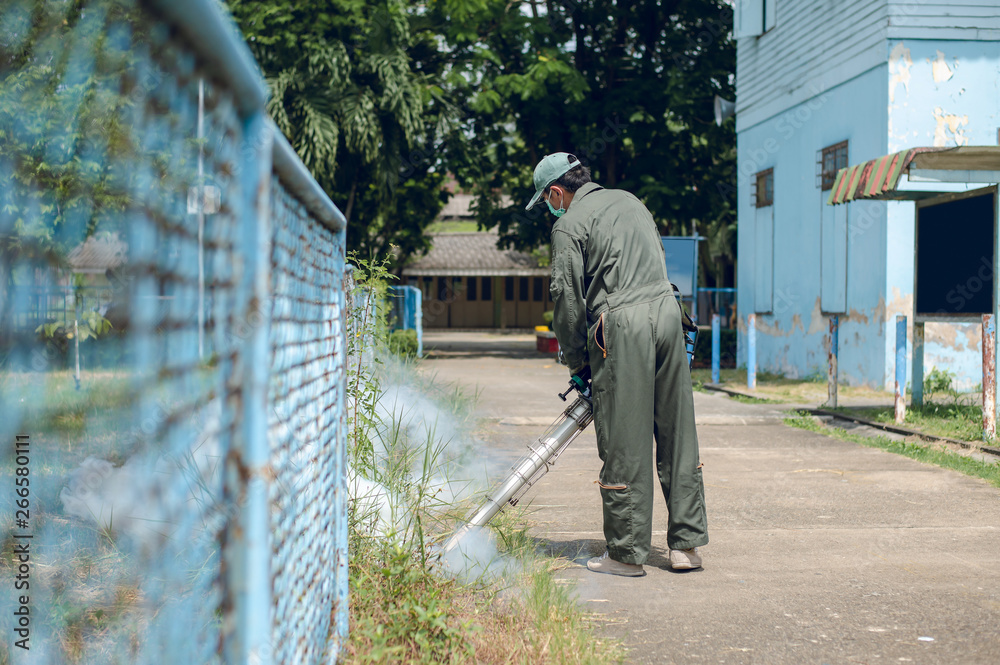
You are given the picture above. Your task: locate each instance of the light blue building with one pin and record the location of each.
(821, 85)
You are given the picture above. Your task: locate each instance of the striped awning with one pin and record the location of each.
(874, 179)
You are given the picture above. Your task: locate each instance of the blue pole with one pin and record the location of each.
(418, 320)
(989, 377)
(248, 553)
(409, 314)
(715, 348)
(917, 373)
(900, 402)
(831, 377)
(752, 351)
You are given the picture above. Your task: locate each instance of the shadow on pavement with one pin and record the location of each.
(473, 345)
(578, 551)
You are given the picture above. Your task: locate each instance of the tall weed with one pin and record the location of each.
(410, 444)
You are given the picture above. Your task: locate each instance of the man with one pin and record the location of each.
(615, 310)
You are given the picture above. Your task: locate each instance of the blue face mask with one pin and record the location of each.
(557, 213)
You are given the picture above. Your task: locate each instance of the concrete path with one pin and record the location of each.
(821, 551)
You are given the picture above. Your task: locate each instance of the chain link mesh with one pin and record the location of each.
(307, 394)
(142, 509)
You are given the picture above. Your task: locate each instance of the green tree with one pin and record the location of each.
(350, 92)
(62, 128)
(628, 87)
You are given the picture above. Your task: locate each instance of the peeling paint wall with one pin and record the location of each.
(952, 98)
(791, 339)
(925, 92)
(952, 95)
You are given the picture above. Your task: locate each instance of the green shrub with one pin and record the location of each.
(727, 348)
(938, 381)
(403, 343)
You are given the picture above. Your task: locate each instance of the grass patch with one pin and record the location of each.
(938, 455)
(746, 399)
(701, 376)
(810, 389)
(453, 226)
(957, 420)
(406, 612)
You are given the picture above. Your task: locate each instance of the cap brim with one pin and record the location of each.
(534, 199)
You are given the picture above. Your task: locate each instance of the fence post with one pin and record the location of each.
(989, 377)
(341, 594)
(917, 379)
(248, 542)
(752, 351)
(832, 358)
(76, 343)
(715, 348)
(418, 320)
(900, 401)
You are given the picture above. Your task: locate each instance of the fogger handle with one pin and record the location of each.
(579, 381)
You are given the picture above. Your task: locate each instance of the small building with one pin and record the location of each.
(468, 282)
(820, 86)
(96, 256)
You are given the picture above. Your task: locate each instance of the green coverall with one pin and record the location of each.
(615, 309)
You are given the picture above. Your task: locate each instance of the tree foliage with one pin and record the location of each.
(61, 111)
(351, 97)
(628, 87)
(381, 99)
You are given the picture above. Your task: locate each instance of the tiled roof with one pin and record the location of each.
(98, 253)
(459, 206)
(471, 254)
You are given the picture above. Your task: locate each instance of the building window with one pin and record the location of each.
(536, 287)
(456, 287)
(763, 191)
(470, 289)
(428, 287)
(754, 17)
(523, 290)
(487, 288)
(508, 289)
(829, 161)
(443, 289)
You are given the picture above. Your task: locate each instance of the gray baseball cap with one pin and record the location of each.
(550, 169)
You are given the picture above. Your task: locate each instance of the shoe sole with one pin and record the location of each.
(640, 573)
(684, 566)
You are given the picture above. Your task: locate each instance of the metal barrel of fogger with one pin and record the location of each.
(541, 455)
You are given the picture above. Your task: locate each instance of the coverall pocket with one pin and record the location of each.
(599, 336)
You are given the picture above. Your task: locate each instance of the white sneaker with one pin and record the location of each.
(605, 564)
(685, 559)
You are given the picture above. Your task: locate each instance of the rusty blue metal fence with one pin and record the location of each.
(899, 401)
(989, 350)
(832, 363)
(188, 500)
(406, 312)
